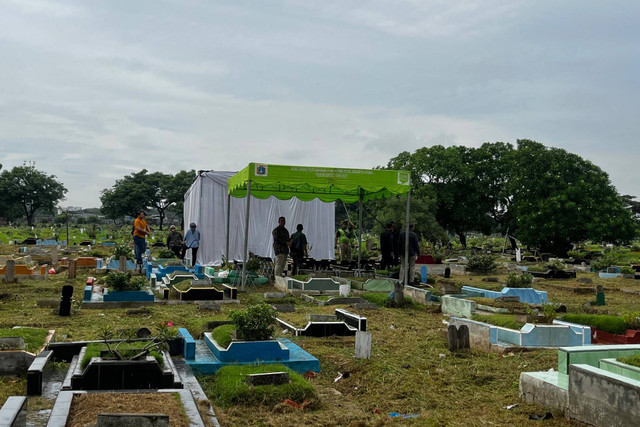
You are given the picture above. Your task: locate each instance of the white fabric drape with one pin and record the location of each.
(205, 203)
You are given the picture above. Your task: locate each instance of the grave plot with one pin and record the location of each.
(117, 287)
(234, 277)
(161, 271)
(19, 348)
(593, 384)
(606, 329)
(342, 323)
(12, 271)
(201, 290)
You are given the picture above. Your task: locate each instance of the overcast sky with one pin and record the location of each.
(95, 90)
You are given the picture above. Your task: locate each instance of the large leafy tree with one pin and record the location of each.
(143, 190)
(559, 199)
(25, 189)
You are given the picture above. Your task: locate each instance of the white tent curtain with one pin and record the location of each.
(206, 204)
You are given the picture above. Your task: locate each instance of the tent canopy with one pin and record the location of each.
(327, 184)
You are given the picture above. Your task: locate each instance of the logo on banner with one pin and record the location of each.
(262, 170)
(404, 178)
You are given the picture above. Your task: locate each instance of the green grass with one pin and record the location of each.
(502, 320)
(229, 388)
(126, 350)
(606, 323)
(378, 298)
(34, 338)
(631, 360)
(222, 335)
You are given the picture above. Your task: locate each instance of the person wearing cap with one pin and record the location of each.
(191, 241)
(298, 248)
(174, 241)
(140, 231)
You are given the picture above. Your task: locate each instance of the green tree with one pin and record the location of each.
(142, 190)
(559, 199)
(30, 190)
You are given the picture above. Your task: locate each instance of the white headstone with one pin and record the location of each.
(345, 290)
(518, 255)
(363, 345)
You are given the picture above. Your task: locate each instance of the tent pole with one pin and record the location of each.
(359, 231)
(406, 243)
(228, 224)
(246, 236)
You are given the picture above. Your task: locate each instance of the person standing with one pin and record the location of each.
(386, 247)
(395, 245)
(414, 252)
(343, 238)
(174, 241)
(191, 241)
(140, 231)
(298, 248)
(281, 241)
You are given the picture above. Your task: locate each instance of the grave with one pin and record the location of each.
(343, 323)
(528, 295)
(589, 385)
(206, 356)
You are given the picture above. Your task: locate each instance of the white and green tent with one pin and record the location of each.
(262, 181)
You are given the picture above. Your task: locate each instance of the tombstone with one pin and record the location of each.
(72, 269)
(123, 263)
(458, 337)
(54, 256)
(363, 345)
(447, 273)
(518, 255)
(9, 276)
(143, 333)
(65, 301)
(344, 290)
(423, 274)
(600, 295)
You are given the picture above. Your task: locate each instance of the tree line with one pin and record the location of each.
(545, 197)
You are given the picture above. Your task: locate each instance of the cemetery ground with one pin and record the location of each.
(411, 370)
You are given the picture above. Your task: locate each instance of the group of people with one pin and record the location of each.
(285, 244)
(175, 241)
(392, 246)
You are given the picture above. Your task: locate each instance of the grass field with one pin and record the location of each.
(411, 370)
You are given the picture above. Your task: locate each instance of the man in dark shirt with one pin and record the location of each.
(414, 252)
(174, 241)
(386, 247)
(281, 242)
(298, 248)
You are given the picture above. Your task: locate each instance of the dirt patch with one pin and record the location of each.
(86, 407)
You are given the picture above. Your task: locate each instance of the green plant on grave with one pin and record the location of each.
(255, 323)
(127, 349)
(481, 263)
(556, 264)
(603, 322)
(632, 319)
(549, 312)
(253, 264)
(164, 253)
(122, 281)
(577, 254)
(515, 280)
(627, 270)
(223, 335)
(122, 249)
(631, 360)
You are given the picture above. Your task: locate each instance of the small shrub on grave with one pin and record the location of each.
(515, 280)
(253, 264)
(632, 319)
(606, 323)
(503, 320)
(256, 323)
(164, 253)
(228, 387)
(223, 335)
(122, 281)
(127, 352)
(577, 254)
(627, 270)
(481, 263)
(556, 264)
(609, 259)
(301, 277)
(122, 249)
(631, 360)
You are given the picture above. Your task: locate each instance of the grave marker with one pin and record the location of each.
(600, 295)
(458, 337)
(65, 301)
(447, 273)
(423, 274)
(72, 269)
(9, 276)
(123, 263)
(54, 256)
(363, 345)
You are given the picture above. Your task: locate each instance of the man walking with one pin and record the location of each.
(414, 252)
(281, 243)
(191, 241)
(140, 231)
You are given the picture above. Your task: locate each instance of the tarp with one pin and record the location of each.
(206, 204)
(326, 184)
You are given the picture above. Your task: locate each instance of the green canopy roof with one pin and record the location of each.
(327, 184)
